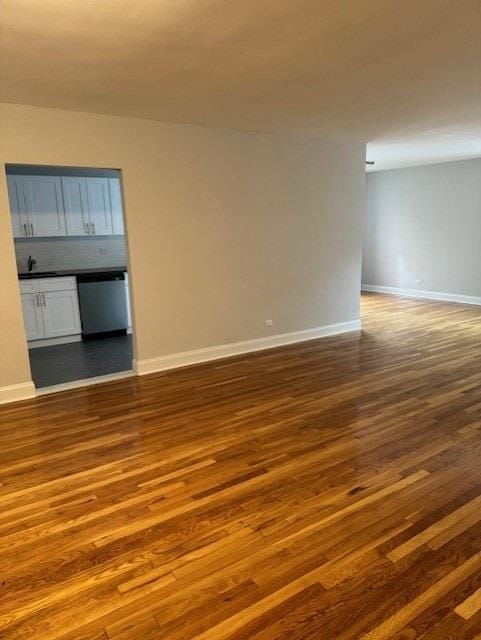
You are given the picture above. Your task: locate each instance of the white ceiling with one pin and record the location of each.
(404, 75)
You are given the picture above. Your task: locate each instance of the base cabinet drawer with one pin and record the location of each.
(68, 283)
(62, 283)
(28, 286)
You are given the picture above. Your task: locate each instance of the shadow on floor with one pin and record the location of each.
(79, 360)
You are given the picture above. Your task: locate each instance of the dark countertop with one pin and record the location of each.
(68, 272)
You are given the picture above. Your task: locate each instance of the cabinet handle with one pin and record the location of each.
(43, 300)
(86, 228)
(93, 228)
(31, 228)
(25, 229)
(37, 300)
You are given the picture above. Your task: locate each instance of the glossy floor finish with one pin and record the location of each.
(326, 490)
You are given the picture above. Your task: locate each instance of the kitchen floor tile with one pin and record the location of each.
(78, 360)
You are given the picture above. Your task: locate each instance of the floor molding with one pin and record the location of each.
(427, 295)
(52, 342)
(85, 382)
(16, 392)
(196, 356)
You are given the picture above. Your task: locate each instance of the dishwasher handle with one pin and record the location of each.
(100, 277)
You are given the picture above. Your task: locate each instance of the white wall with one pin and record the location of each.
(225, 228)
(424, 223)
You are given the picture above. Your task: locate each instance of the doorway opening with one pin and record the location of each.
(71, 253)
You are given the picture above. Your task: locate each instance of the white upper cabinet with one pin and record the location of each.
(76, 206)
(43, 196)
(116, 204)
(88, 211)
(99, 206)
(18, 206)
(36, 204)
(45, 206)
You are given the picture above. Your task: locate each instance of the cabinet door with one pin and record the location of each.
(127, 301)
(18, 206)
(45, 208)
(116, 204)
(100, 211)
(61, 313)
(32, 316)
(76, 206)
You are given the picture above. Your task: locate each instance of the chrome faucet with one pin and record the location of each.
(31, 264)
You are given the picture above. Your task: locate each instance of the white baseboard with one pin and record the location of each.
(186, 358)
(84, 382)
(418, 293)
(16, 392)
(50, 342)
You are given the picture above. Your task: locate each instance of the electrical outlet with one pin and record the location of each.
(268, 323)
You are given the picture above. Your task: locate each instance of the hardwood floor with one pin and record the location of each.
(326, 490)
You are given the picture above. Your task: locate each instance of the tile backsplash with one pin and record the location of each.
(54, 254)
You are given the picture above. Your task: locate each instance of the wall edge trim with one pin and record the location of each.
(426, 295)
(207, 354)
(17, 392)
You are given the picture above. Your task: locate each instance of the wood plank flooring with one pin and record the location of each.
(326, 490)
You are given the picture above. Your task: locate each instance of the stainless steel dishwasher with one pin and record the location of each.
(103, 304)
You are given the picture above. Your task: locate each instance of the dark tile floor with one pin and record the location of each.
(79, 360)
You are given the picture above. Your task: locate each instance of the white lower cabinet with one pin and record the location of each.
(32, 316)
(50, 308)
(127, 300)
(61, 313)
